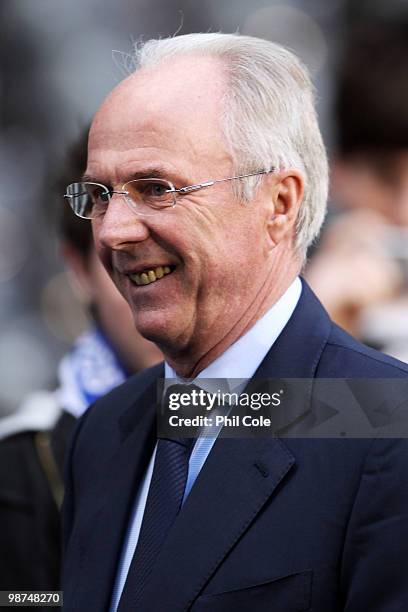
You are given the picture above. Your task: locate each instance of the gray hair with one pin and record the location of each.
(269, 118)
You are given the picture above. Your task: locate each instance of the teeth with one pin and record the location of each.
(150, 276)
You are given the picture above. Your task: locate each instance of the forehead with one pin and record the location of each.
(168, 114)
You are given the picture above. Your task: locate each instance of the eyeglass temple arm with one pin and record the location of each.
(77, 195)
(209, 183)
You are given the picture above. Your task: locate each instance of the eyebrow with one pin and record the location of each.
(151, 172)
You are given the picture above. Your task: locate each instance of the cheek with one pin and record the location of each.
(104, 289)
(234, 269)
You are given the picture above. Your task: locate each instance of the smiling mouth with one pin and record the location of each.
(151, 275)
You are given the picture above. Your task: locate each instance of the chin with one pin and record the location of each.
(161, 327)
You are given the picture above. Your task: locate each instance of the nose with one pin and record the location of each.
(119, 226)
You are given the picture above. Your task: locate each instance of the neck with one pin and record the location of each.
(197, 356)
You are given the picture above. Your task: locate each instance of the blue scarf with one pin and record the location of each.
(88, 371)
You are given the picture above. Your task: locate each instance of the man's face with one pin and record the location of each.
(166, 122)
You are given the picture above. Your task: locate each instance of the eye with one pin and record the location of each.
(100, 195)
(153, 193)
(149, 190)
(155, 190)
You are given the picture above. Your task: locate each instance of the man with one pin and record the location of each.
(209, 263)
(34, 439)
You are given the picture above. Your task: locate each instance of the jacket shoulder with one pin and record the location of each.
(347, 357)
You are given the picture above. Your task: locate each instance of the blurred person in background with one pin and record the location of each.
(34, 439)
(361, 269)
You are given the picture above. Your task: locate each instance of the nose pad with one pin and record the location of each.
(120, 225)
(132, 206)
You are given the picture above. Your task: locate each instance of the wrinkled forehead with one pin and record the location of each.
(179, 99)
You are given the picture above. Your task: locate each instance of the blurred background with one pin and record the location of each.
(59, 59)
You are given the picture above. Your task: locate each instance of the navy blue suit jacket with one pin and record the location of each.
(282, 525)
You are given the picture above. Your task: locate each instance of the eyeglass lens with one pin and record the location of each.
(90, 200)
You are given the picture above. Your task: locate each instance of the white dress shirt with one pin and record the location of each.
(239, 361)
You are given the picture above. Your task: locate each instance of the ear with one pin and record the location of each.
(286, 198)
(78, 266)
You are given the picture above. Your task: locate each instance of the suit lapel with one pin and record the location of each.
(297, 351)
(291, 357)
(221, 506)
